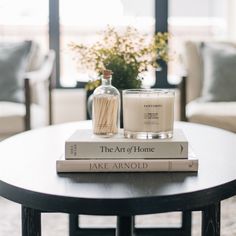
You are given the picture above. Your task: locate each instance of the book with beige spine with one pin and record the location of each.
(83, 144)
(127, 165)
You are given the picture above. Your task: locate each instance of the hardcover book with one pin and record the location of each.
(127, 165)
(83, 144)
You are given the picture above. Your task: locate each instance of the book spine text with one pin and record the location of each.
(127, 165)
(94, 150)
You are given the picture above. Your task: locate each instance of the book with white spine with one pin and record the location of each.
(127, 165)
(83, 144)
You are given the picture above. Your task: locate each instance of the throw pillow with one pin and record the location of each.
(13, 63)
(219, 72)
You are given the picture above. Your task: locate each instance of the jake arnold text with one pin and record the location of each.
(117, 166)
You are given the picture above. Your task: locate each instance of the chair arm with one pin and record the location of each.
(183, 97)
(46, 70)
(44, 75)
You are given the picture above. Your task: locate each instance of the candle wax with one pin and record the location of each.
(148, 112)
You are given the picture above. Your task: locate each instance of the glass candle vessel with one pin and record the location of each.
(148, 113)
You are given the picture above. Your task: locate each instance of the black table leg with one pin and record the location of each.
(211, 220)
(31, 222)
(187, 223)
(125, 226)
(73, 224)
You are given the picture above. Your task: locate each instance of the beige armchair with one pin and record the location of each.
(217, 113)
(35, 110)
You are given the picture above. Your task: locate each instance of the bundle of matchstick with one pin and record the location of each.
(105, 114)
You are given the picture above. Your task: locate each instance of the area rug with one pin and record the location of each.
(55, 224)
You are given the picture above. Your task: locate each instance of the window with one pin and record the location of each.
(22, 20)
(80, 21)
(50, 25)
(195, 20)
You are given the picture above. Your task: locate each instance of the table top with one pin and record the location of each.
(28, 175)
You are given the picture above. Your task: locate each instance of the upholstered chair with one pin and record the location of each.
(208, 88)
(25, 87)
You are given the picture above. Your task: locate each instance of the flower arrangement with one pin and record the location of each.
(126, 53)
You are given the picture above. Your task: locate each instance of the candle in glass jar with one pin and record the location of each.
(148, 113)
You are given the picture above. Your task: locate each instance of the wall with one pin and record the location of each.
(68, 105)
(231, 19)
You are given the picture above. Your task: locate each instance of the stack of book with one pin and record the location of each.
(85, 152)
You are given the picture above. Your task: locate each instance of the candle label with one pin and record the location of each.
(152, 114)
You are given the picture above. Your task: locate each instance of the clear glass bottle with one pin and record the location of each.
(106, 107)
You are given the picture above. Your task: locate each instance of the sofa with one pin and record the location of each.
(208, 87)
(25, 87)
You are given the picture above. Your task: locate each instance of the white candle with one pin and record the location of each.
(148, 111)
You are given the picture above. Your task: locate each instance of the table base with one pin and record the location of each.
(211, 220)
(31, 221)
(125, 227)
(31, 225)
